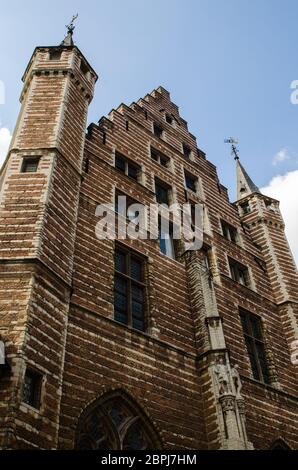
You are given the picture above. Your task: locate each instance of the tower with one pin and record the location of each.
(261, 217)
(40, 184)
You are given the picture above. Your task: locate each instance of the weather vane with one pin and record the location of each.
(70, 27)
(233, 142)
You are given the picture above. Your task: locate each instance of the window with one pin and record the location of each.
(130, 214)
(280, 445)
(162, 191)
(206, 257)
(157, 130)
(191, 182)
(166, 241)
(116, 422)
(239, 273)
(229, 232)
(253, 335)
(84, 68)
(129, 289)
(55, 55)
(245, 208)
(186, 150)
(169, 119)
(159, 157)
(30, 165)
(32, 388)
(126, 166)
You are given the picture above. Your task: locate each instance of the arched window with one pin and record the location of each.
(115, 423)
(280, 445)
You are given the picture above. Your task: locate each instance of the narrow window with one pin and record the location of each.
(162, 191)
(239, 273)
(229, 232)
(84, 68)
(245, 208)
(32, 388)
(157, 130)
(254, 341)
(166, 241)
(186, 150)
(30, 164)
(129, 289)
(206, 257)
(169, 119)
(191, 182)
(55, 55)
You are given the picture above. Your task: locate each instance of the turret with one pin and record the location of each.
(40, 184)
(261, 216)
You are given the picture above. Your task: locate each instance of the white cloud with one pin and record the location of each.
(5, 138)
(285, 189)
(281, 156)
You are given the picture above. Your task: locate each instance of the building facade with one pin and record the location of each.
(135, 344)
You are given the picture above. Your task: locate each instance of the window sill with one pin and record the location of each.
(30, 409)
(250, 288)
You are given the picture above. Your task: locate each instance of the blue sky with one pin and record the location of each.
(227, 63)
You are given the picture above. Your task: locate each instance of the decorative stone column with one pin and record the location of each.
(216, 373)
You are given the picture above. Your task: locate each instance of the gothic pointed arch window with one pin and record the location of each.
(115, 422)
(280, 444)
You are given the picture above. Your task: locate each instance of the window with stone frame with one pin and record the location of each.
(186, 150)
(255, 345)
(191, 182)
(168, 246)
(239, 273)
(55, 55)
(31, 392)
(159, 157)
(245, 208)
(116, 422)
(169, 119)
(163, 192)
(130, 214)
(127, 167)
(129, 289)
(30, 164)
(157, 130)
(229, 232)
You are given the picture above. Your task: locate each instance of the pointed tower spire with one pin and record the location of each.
(245, 185)
(68, 41)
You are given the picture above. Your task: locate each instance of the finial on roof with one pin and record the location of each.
(68, 41)
(245, 185)
(235, 151)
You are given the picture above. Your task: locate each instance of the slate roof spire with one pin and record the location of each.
(245, 185)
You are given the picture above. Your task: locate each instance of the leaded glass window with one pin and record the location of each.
(116, 424)
(129, 289)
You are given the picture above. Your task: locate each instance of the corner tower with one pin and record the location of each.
(262, 218)
(40, 183)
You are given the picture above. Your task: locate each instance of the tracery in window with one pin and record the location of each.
(116, 423)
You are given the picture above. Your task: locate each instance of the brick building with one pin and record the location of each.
(131, 344)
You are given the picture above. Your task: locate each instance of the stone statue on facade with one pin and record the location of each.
(222, 376)
(236, 380)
